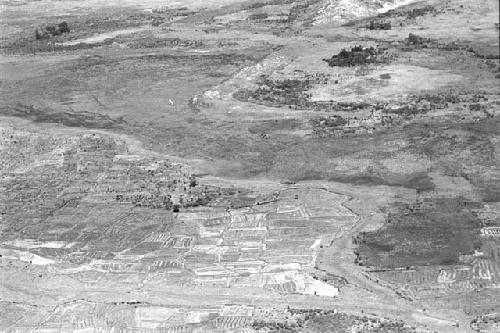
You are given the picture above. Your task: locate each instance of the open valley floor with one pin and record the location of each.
(249, 166)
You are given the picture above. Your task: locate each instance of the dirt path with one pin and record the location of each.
(338, 259)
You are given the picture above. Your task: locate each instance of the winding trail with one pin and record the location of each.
(338, 259)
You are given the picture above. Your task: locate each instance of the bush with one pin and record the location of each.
(63, 27)
(52, 30)
(416, 40)
(258, 16)
(356, 56)
(379, 25)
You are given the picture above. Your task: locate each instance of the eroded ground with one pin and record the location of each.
(250, 166)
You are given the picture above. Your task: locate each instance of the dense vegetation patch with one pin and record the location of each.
(67, 118)
(417, 181)
(316, 320)
(428, 232)
(283, 92)
(376, 25)
(356, 56)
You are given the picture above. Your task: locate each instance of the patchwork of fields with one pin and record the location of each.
(249, 166)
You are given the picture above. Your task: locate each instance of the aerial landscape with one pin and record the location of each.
(249, 166)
